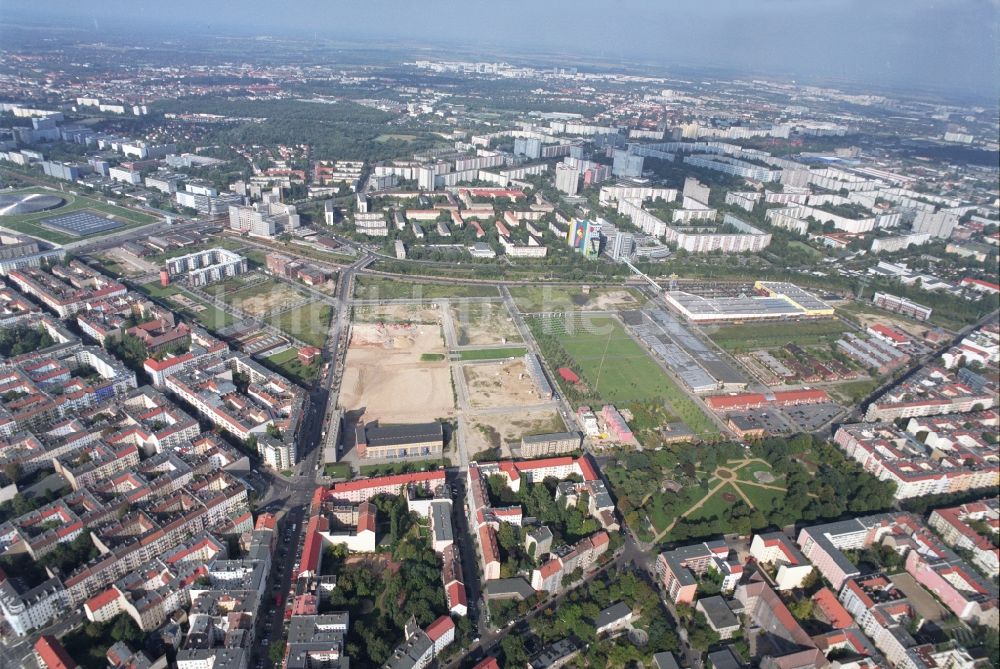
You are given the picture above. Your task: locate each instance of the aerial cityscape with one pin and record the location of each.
(333, 341)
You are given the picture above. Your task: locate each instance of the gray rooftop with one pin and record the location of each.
(665, 660)
(393, 435)
(718, 613)
(612, 614)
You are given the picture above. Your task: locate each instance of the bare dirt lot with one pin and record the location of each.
(385, 376)
(397, 313)
(915, 330)
(491, 430)
(482, 323)
(500, 384)
(261, 298)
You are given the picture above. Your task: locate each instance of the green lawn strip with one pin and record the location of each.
(401, 467)
(378, 288)
(492, 353)
(771, 335)
(853, 391)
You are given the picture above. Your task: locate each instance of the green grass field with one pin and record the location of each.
(772, 335)
(616, 369)
(290, 365)
(717, 504)
(210, 317)
(310, 322)
(377, 288)
(492, 353)
(764, 499)
(534, 299)
(337, 470)
(390, 137)
(31, 223)
(390, 468)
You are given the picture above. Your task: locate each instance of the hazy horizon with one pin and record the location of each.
(922, 45)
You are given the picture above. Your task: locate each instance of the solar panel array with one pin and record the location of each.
(81, 223)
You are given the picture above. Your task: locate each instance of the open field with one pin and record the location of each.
(492, 353)
(753, 336)
(384, 374)
(500, 384)
(482, 323)
(264, 296)
(397, 313)
(868, 314)
(612, 367)
(400, 138)
(310, 322)
(31, 223)
(534, 299)
(290, 365)
(498, 429)
(205, 314)
(378, 288)
(717, 503)
(123, 263)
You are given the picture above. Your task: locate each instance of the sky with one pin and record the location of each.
(924, 45)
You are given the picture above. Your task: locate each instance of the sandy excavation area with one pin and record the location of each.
(915, 330)
(609, 300)
(500, 384)
(397, 313)
(483, 323)
(385, 376)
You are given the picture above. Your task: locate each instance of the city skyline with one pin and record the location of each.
(923, 46)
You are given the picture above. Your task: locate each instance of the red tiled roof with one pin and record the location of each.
(488, 663)
(313, 546)
(52, 653)
(395, 480)
(101, 599)
(731, 401)
(440, 627)
(586, 468)
(167, 363)
(456, 594)
(549, 568)
(894, 335)
(832, 609)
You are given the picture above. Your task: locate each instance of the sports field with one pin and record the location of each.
(756, 336)
(30, 224)
(612, 366)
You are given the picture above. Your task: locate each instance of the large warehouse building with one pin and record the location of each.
(417, 440)
(774, 300)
